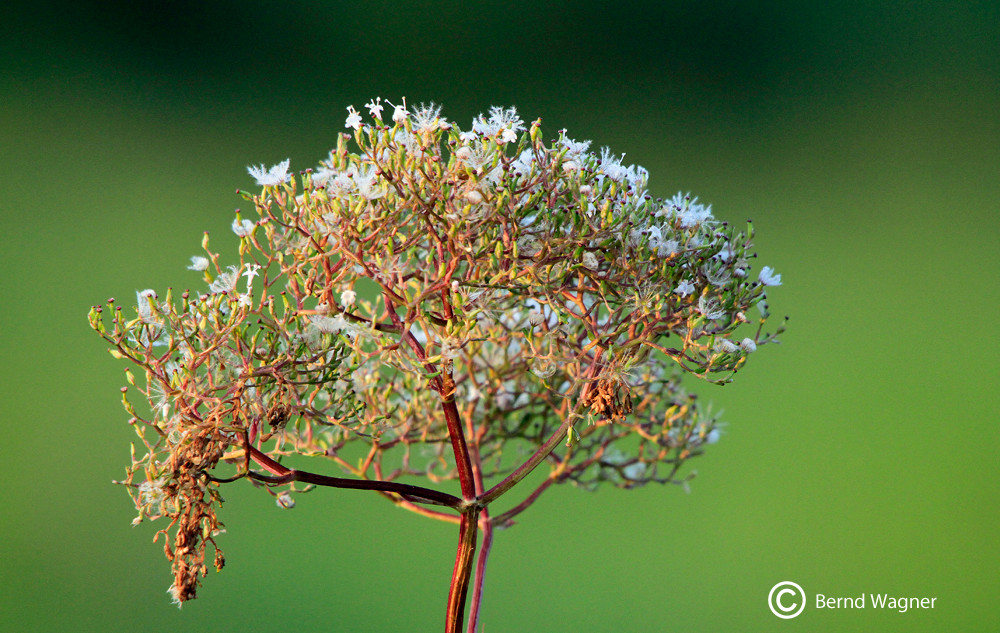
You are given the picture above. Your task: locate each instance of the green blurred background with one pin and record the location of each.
(859, 456)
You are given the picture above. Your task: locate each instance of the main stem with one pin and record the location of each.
(486, 525)
(467, 531)
(469, 525)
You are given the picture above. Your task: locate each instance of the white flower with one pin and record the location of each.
(151, 493)
(243, 228)
(427, 118)
(145, 299)
(684, 288)
(274, 176)
(710, 308)
(198, 263)
(225, 281)
(329, 325)
(687, 211)
(575, 148)
(717, 277)
(666, 248)
(590, 261)
(725, 346)
(250, 272)
(353, 118)
(508, 136)
(375, 108)
(348, 297)
(611, 165)
(506, 123)
(637, 176)
(368, 183)
(474, 196)
(285, 500)
(399, 113)
(768, 278)
(748, 345)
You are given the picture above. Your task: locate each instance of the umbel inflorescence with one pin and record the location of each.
(443, 304)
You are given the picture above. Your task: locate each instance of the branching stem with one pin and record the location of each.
(414, 494)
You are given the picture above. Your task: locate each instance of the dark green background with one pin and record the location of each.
(863, 138)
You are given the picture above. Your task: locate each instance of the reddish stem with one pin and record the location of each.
(486, 525)
(467, 532)
(414, 494)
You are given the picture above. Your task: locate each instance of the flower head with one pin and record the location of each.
(399, 113)
(243, 228)
(710, 308)
(276, 175)
(427, 118)
(725, 346)
(503, 122)
(353, 118)
(251, 271)
(146, 301)
(684, 288)
(225, 282)
(768, 278)
(375, 108)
